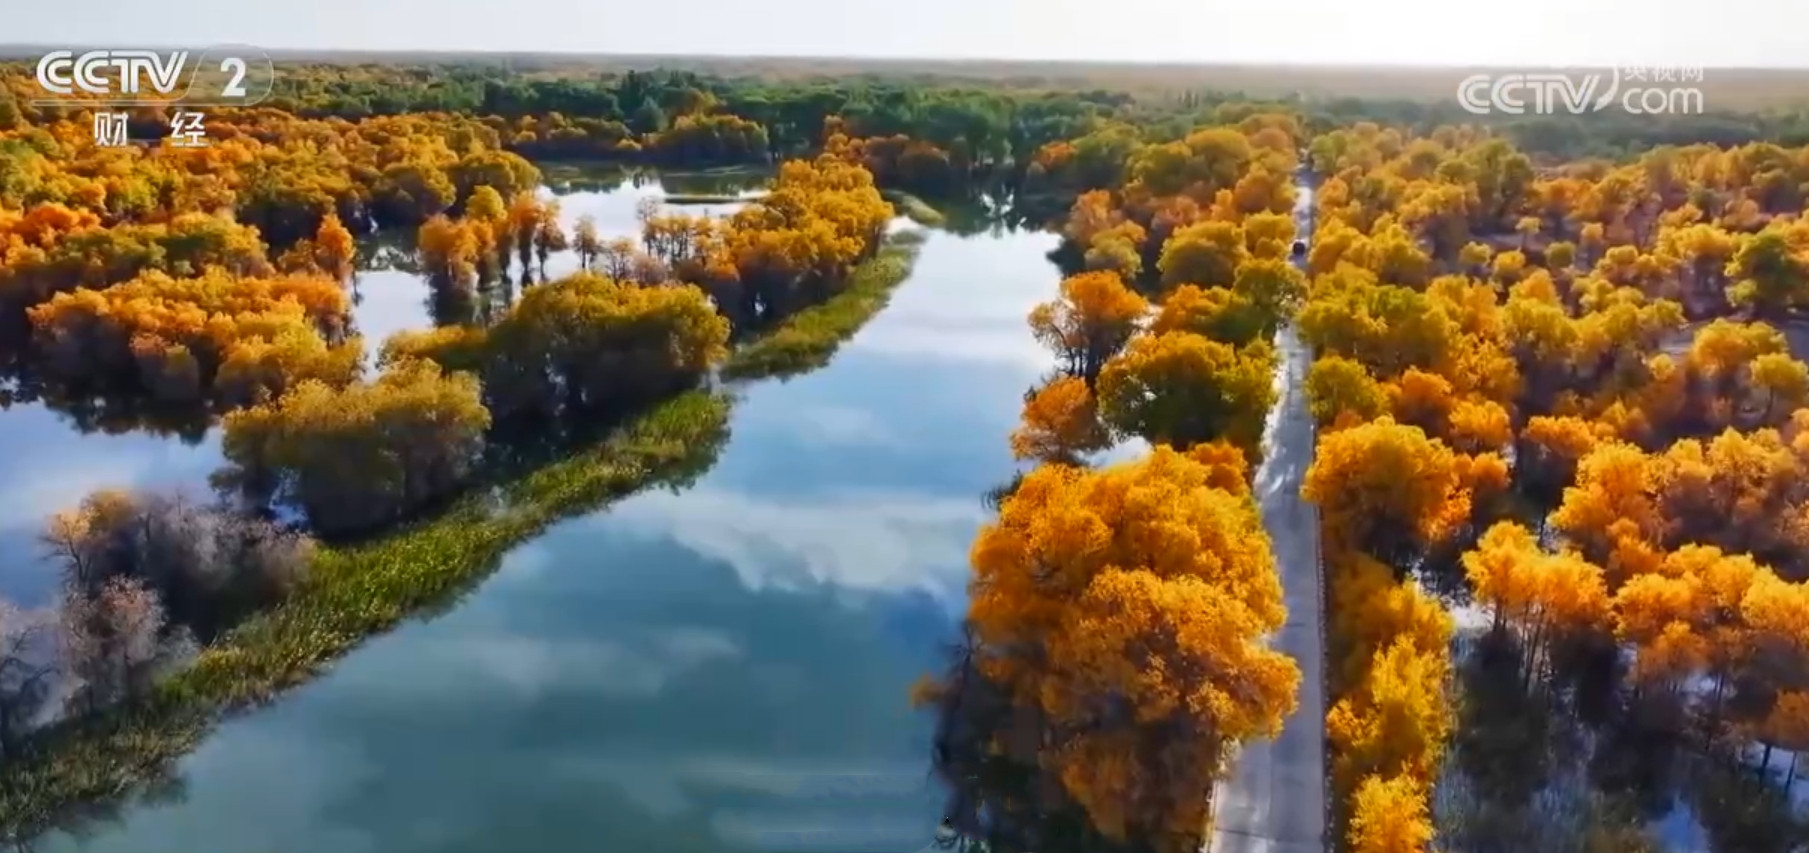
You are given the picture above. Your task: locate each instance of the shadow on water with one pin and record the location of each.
(164, 783)
(1587, 765)
(998, 799)
(996, 802)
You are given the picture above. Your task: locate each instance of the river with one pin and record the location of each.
(723, 668)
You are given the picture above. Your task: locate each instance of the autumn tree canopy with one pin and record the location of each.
(1060, 423)
(1143, 583)
(1183, 389)
(1094, 318)
(363, 455)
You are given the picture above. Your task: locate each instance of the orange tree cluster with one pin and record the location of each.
(794, 246)
(229, 256)
(1386, 492)
(185, 314)
(1119, 616)
(459, 254)
(1200, 370)
(235, 340)
(1469, 309)
(1399, 472)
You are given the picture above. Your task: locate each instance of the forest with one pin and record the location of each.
(1560, 416)
(1558, 412)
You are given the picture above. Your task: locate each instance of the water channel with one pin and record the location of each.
(721, 669)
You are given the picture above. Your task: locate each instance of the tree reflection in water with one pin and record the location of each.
(1000, 800)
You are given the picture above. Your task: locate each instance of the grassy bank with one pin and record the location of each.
(916, 209)
(357, 591)
(809, 339)
(353, 593)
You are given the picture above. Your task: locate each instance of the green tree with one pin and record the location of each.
(1184, 389)
(363, 456)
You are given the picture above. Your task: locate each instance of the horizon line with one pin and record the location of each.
(7, 48)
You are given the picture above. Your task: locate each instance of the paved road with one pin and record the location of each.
(1274, 801)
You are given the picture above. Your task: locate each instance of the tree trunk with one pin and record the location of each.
(1532, 656)
(1715, 708)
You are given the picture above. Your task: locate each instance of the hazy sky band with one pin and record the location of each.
(1726, 33)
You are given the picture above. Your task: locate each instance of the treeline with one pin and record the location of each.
(1516, 408)
(668, 118)
(373, 90)
(1116, 639)
(978, 125)
(272, 171)
(1610, 134)
(990, 136)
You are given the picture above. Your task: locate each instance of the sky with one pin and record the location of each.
(1721, 33)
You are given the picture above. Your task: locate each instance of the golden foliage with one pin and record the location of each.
(1390, 815)
(365, 454)
(1093, 319)
(1219, 313)
(1060, 423)
(1385, 488)
(1138, 583)
(1337, 386)
(234, 340)
(1395, 722)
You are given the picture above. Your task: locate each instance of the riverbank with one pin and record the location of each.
(354, 592)
(361, 590)
(707, 198)
(915, 209)
(808, 339)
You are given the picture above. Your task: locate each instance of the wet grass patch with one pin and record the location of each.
(809, 339)
(915, 209)
(354, 592)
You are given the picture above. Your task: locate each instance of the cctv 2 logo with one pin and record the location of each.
(225, 75)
